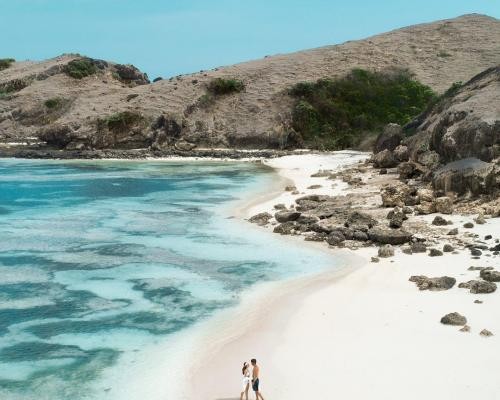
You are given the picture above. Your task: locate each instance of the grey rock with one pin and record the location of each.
(389, 139)
(486, 333)
(384, 159)
(480, 219)
(433, 284)
(335, 238)
(476, 286)
(360, 235)
(454, 319)
(386, 251)
(360, 220)
(468, 225)
(375, 259)
(401, 153)
(443, 205)
(453, 232)
(418, 247)
(435, 253)
(490, 275)
(286, 228)
(448, 248)
(261, 218)
(279, 206)
(465, 328)
(475, 252)
(286, 216)
(439, 221)
(389, 236)
(467, 176)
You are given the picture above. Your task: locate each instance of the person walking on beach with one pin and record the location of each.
(255, 379)
(246, 380)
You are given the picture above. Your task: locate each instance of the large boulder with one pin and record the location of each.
(384, 159)
(389, 236)
(130, 74)
(401, 153)
(389, 139)
(468, 176)
(286, 216)
(443, 205)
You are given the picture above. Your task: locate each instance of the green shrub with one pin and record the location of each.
(122, 120)
(6, 63)
(222, 86)
(80, 68)
(338, 113)
(53, 103)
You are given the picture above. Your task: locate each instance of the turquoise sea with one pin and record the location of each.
(99, 260)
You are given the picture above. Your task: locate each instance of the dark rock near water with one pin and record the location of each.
(389, 236)
(335, 238)
(286, 216)
(261, 218)
(286, 228)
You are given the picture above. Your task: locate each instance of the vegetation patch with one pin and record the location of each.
(80, 68)
(338, 113)
(223, 86)
(6, 63)
(54, 103)
(122, 121)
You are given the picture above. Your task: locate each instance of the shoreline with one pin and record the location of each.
(364, 321)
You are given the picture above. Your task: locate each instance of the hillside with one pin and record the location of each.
(116, 107)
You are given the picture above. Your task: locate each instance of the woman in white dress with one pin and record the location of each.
(246, 381)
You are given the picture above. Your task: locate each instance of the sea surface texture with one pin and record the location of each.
(101, 261)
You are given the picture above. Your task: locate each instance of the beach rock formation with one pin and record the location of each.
(477, 286)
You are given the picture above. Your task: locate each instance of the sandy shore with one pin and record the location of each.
(362, 332)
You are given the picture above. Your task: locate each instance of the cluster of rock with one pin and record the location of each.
(333, 220)
(455, 147)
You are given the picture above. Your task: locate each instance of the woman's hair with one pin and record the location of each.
(245, 366)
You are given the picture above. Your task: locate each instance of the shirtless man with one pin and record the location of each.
(255, 379)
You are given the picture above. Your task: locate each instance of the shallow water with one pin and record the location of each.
(100, 259)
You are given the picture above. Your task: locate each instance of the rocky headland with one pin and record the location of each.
(76, 106)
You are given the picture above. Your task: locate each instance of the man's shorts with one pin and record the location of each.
(255, 385)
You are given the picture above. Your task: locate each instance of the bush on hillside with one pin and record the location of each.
(338, 113)
(6, 63)
(222, 86)
(122, 121)
(53, 103)
(80, 68)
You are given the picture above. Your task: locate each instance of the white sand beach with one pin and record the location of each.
(361, 332)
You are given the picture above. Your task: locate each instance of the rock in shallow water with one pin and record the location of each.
(261, 218)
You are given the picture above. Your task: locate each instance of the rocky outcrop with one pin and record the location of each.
(258, 117)
(389, 236)
(261, 218)
(468, 176)
(465, 122)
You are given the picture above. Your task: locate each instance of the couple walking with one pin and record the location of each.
(254, 380)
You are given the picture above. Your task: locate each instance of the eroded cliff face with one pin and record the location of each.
(115, 106)
(464, 123)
